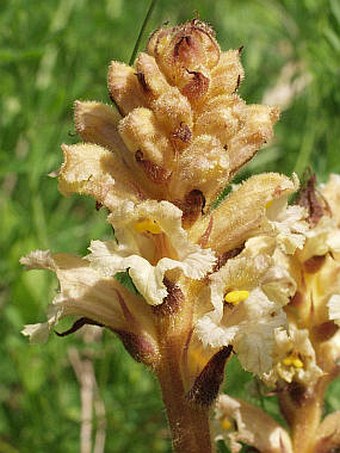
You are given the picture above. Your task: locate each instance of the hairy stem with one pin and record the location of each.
(303, 410)
(306, 423)
(189, 422)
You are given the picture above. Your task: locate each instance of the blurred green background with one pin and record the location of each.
(55, 51)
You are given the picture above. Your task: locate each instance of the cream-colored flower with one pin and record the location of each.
(151, 241)
(294, 358)
(239, 423)
(108, 259)
(288, 222)
(316, 267)
(324, 237)
(154, 230)
(92, 170)
(84, 293)
(247, 294)
(257, 206)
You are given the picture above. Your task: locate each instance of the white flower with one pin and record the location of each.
(93, 170)
(253, 310)
(294, 358)
(287, 222)
(83, 293)
(321, 239)
(151, 241)
(239, 423)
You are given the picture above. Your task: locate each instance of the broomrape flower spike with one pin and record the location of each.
(203, 281)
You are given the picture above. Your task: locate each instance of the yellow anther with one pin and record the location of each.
(235, 297)
(293, 361)
(297, 363)
(150, 226)
(269, 203)
(226, 424)
(287, 361)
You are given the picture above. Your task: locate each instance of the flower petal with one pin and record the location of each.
(97, 123)
(92, 170)
(168, 217)
(250, 324)
(238, 423)
(83, 293)
(243, 213)
(294, 343)
(257, 130)
(37, 333)
(110, 258)
(124, 87)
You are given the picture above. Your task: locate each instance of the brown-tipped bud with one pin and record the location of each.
(250, 199)
(185, 53)
(140, 131)
(151, 80)
(257, 130)
(207, 384)
(197, 86)
(154, 172)
(203, 161)
(124, 88)
(174, 113)
(140, 346)
(97, 123)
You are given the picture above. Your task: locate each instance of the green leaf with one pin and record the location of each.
(124, 279)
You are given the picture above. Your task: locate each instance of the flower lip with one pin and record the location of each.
(84, 294)
(162, 245)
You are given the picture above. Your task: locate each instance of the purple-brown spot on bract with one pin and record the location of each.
(192, 207)
(182, 133)
(172, 302)
(325, 331)
(298, 393)
(314, 264)
(197, 87)
(154, 172)
(142, 82)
